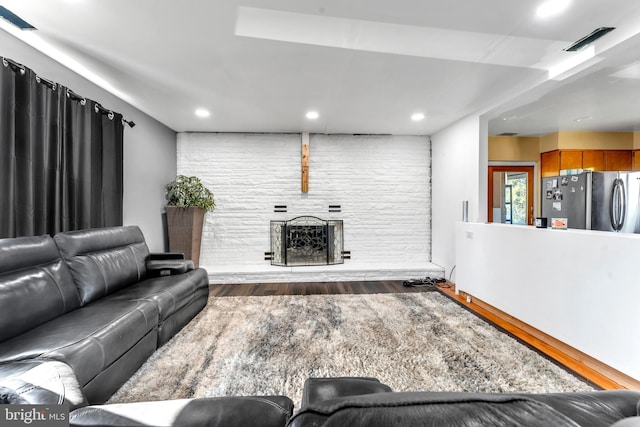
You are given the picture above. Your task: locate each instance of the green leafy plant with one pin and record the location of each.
(187, 191)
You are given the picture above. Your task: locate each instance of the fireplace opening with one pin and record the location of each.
(306, 240)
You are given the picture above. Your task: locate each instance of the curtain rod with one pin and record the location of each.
(14, 65)
(71, 94)
(47, 82)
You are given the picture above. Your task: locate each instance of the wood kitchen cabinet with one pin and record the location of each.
(618, 160)
(635, 160)
(570, 159)
(593, 159)
(550, 163)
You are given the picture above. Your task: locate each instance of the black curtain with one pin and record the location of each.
(60, 157)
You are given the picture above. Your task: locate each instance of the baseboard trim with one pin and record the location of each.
(349, 271)
(593, 370)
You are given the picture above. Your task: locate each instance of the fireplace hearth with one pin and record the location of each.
(306, 241)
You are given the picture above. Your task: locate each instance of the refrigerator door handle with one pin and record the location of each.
(612, 206)
(622, 200)
(618, 205)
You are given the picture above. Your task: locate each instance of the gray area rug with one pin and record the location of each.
(270, 344)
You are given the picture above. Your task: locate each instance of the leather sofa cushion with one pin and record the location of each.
(268, 411)
(35, 285)
(169, 293)
(88, 339)
(103, 261)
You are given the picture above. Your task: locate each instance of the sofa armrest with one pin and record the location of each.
(168, 267)
(40, 382)
(268, 411)
(319, 389)
(166, 255)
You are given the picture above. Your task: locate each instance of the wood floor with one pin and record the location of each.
(592, 370)
(313, 288)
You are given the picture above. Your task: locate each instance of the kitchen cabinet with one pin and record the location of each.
(617, 160)
(550, 163)
(570, 159)
(635, 160)
(593, 159)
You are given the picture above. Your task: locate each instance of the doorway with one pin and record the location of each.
(511, 194)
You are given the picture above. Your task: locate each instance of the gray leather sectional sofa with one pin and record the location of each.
(88, 299)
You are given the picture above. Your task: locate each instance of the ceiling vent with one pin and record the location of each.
(15, 19)
(508, 134)
(588, 39)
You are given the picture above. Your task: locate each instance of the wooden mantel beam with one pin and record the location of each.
(305, 162)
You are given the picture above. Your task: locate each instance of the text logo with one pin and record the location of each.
(34, 415)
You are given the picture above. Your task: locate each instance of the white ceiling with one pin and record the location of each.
(605, 97)
(364, 65)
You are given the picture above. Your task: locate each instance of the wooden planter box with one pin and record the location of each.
(185, 231)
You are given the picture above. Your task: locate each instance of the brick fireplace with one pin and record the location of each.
(306, 241)
(377, 185)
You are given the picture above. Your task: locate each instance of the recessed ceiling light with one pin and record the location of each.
(583, 119)
(312, 115)
(416, 117)
(552, 7)
(201, 112)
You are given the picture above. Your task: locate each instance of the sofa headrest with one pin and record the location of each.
(104, 260)
(80, 242)
(35, 284)
(23, 252)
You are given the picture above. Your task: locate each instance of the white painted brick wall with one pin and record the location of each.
(381, 182)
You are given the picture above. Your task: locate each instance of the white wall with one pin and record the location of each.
(578, 286)
(381, 182)
(149, 147)
(459, 173)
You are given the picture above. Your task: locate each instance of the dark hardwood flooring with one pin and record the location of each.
(592, 370)
(314, 288)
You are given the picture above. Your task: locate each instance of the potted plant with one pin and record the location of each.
(187, 202)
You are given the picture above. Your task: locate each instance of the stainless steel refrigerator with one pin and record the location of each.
(608, 201)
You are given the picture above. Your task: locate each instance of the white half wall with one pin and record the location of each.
(382, 184)
(149, 147)
(579, 286)
(459, 173)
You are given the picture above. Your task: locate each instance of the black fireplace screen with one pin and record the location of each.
(306, 240)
